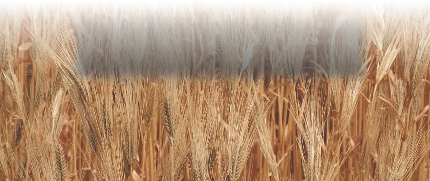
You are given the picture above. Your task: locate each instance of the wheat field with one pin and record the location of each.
(214, 91)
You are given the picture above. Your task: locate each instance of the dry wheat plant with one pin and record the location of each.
(214, 91)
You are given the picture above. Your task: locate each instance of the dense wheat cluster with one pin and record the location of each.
(193, 91)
